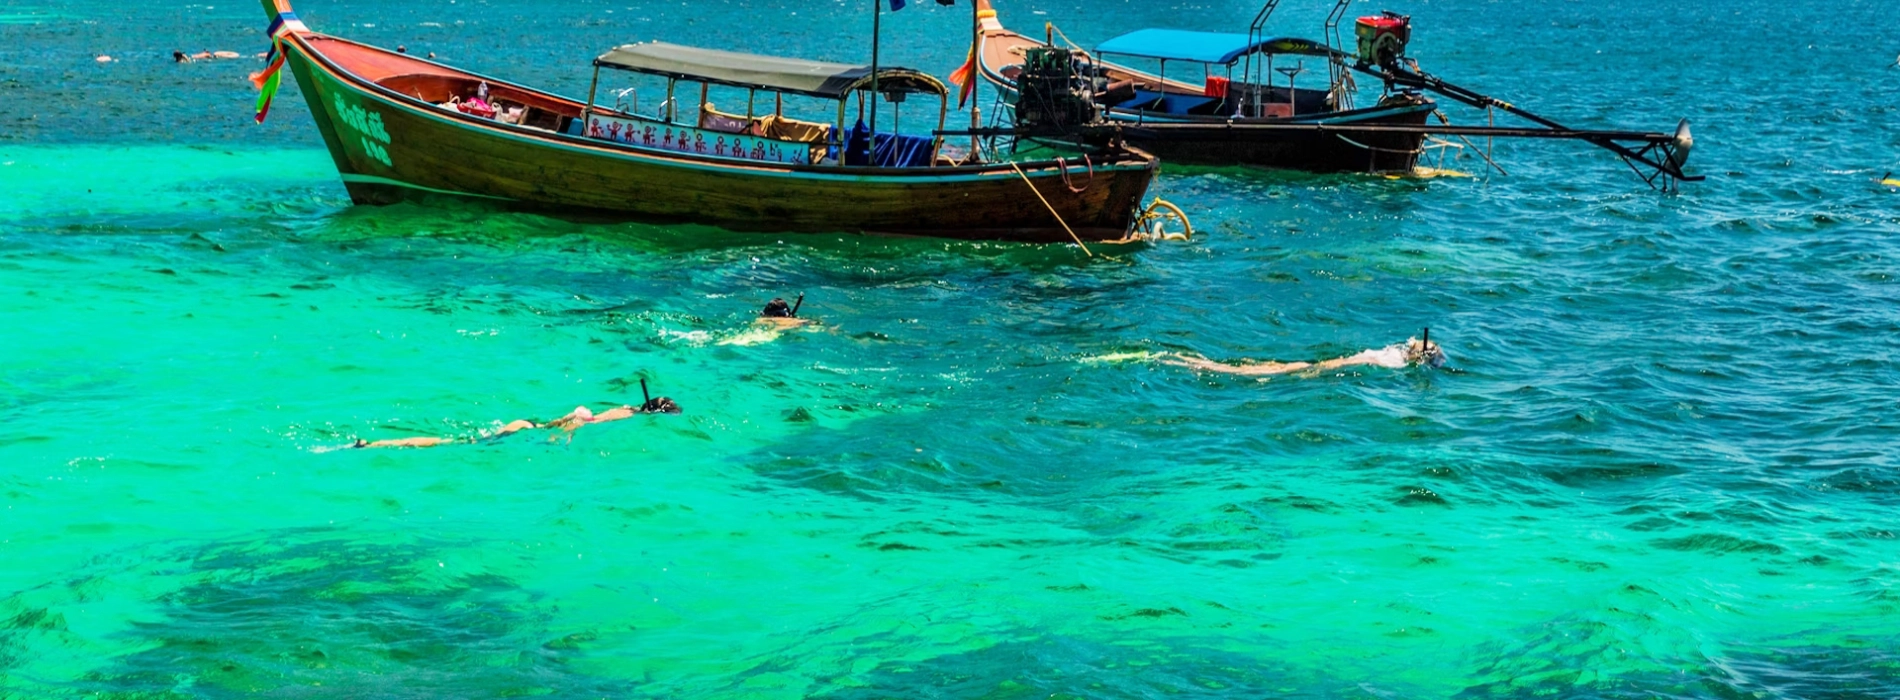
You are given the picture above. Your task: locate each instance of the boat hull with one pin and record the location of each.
(389, 148)
(1233, 143)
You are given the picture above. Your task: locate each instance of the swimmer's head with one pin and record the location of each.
(777, 308)
(360, 442)
(659, 404)
(1424, 352)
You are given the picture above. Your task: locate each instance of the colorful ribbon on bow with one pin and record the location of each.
(268, 79)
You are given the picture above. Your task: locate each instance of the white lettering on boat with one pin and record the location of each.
(368, 125)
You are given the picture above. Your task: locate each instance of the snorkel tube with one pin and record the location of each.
(797, 304)
(653, 405)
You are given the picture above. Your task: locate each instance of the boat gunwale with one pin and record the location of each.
(1150, 118)
(1130, 162)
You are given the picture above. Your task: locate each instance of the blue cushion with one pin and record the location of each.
(893, 150)
(1182, 104)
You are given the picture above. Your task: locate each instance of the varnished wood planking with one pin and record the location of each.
(437, 150)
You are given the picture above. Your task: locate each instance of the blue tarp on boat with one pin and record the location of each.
(1206, 47)
(1181, 45)
(893, 150)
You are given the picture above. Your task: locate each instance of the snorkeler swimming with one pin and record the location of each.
(574, 420)
(1412, 352)
(776, 318)
(779, 313)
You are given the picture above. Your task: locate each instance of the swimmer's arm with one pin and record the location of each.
(406, 442)
(514, 427)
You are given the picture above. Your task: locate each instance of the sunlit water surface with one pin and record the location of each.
(1661, 462)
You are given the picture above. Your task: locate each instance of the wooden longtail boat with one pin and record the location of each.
(1206, 122)
(402, 128)
(1246, 120)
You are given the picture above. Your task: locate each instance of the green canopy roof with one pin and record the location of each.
(789, 75)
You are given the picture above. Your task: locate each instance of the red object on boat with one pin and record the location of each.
(477, 107)
(1383, 38)
(1216, 86)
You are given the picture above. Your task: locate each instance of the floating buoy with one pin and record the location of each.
(1423, 172)
(103, 59)
(1163, 221)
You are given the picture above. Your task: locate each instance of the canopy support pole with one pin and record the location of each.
(976, 66)
(943, 116)
(877, 28)
(588, 111)
(672, 107)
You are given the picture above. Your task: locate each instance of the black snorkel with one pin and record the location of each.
(653, 405)
(1427, 355)
(797, 304)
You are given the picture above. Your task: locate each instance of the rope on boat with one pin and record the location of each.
(1052, 208)
(1065, 39)
(1483, 153)
(1064, 165)
(1376, 149)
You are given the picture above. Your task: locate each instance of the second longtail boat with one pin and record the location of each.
(1231, 112)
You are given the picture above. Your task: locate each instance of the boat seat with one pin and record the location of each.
(715, 120)
(1143, 99)
(1185, 104)
(1167, 103)
(783, 129)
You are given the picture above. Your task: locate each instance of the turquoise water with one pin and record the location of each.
(1661, 462)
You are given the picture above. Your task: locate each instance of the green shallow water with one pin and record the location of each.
(1660, 462)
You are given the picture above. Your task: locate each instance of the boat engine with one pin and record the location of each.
(1382, 39)
(1056, 89)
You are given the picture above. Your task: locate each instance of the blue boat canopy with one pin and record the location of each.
(1204, 47)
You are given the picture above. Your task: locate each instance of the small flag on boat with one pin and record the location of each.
(268, 79)
(964, 77)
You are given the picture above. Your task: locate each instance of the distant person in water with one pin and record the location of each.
(574, 420)
(779, 313)
(776, 318)
(1411, 352)
(180, 57)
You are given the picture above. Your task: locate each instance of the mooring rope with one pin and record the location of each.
(1052, 208)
